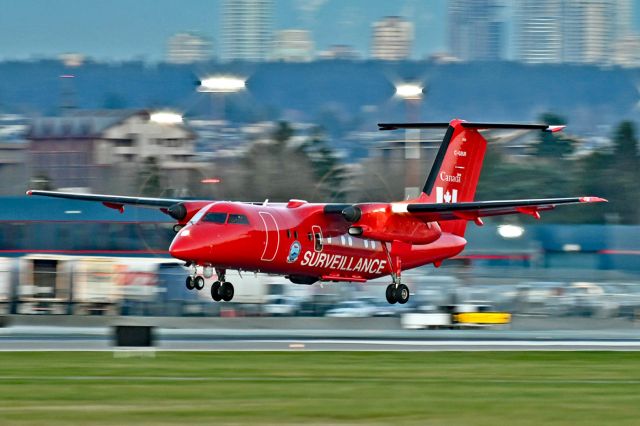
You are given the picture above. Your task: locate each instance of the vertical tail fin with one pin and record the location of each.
(456, 169)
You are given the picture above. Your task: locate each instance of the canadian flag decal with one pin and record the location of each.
(446, 197)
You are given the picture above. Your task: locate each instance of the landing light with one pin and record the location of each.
(510, 231)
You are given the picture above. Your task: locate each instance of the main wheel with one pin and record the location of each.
(198, 283)
(215, 291)
(189, 283)
(391, 294)
(227, 291)
(402, 294)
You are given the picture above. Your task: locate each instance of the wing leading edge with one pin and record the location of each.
(112, 201)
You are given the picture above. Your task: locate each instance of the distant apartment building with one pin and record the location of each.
(588, 31)
(571, 31)
(391, 39)
(13, 154)
(343, 52)
(188, 48)
(627, 51)
(247, 30)
(539, 31)
(292, 46)
(476, 30)
(106, 150)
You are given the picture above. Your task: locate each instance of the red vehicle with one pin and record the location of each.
(310, 242)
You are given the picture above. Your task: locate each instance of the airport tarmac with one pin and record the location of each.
(40, 338)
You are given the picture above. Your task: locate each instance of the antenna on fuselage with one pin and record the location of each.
(265, 202)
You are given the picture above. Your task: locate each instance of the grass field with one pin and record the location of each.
(428, 388)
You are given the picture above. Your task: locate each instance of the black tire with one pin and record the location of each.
(391, 294)
(198, 283)
(402, 294)
(227, 291)
(215, 291)
(189, 283)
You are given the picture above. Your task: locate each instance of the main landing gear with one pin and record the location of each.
(396, 291)
(220, 289)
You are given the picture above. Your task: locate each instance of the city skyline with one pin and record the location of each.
(145, 26)
(122, 30)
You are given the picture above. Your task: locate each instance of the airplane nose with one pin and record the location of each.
(184, 247)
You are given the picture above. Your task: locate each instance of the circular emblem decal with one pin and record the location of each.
(294, 252)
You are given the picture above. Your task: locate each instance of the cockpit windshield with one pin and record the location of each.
(215, 217)
(196, 218)
(206, 216)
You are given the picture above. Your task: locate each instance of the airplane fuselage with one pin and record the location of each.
(300, 241)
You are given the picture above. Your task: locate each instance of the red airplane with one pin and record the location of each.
(310, 242)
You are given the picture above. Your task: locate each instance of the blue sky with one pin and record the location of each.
(124, 29)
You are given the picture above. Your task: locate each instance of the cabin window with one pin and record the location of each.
(288, 233)
(215, 217)
(295, 234)
(318, 242)
(239, 219)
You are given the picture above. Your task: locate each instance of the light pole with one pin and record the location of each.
(219, 86)
(411, 94)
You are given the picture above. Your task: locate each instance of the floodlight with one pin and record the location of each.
(166, 117)
(409, 91)
(222, 84)
(510, 231)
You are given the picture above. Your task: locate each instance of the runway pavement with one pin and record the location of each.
(100, 339)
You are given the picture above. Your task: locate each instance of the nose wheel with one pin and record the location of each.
(194, 283)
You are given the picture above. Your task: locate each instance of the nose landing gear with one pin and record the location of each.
(220, 289)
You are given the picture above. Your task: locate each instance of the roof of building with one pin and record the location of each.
(85, 124)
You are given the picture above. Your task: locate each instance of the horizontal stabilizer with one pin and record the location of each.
(471, 125)
(477, 209)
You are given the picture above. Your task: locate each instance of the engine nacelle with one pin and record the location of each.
(378, 222)
(184, 211)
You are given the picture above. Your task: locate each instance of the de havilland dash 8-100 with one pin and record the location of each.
(326, 242)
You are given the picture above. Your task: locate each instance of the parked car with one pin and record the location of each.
(278, 305)
(352, 308)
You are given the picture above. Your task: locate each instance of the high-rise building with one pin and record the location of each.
(571, 31)
(292, 46)
(391, 39)
(540, 31)
(588, 31)
(188, 48)
(476, 30)
(624, 18)
(246, 29)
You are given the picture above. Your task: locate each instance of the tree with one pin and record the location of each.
(624, 174)
(149, 178)
(329, 172)
(277, 170)
(553, 145)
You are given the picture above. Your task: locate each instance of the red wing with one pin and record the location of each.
(112, 201)
(476, 209)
